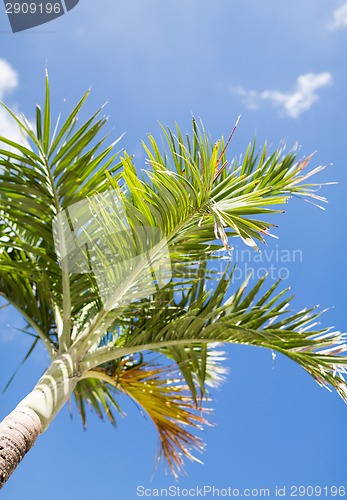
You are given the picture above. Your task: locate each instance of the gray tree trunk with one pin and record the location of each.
(18, 433)
(34, 414)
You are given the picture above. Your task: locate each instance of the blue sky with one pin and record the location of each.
(282, 67)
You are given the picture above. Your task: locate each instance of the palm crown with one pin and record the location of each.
(194, 199)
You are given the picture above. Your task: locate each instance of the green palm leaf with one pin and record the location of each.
(247, 317)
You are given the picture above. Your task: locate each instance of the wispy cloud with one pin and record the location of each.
(8, 82)
(8, 78)
(292, 104)
(339, 18)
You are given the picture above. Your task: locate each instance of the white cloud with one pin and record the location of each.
(293, 103)
(8, 83)
(8, 78)
(339, 18)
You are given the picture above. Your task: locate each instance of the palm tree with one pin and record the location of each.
(115, 271)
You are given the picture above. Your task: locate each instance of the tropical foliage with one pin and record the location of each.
(159, 349)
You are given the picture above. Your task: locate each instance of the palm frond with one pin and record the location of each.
(52, 172)
(183, 195)
(37, 180)
(248, 317)
(160, 391)
(162, 394)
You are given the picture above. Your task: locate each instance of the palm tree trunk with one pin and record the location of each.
(34, 414)
(18, 433)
